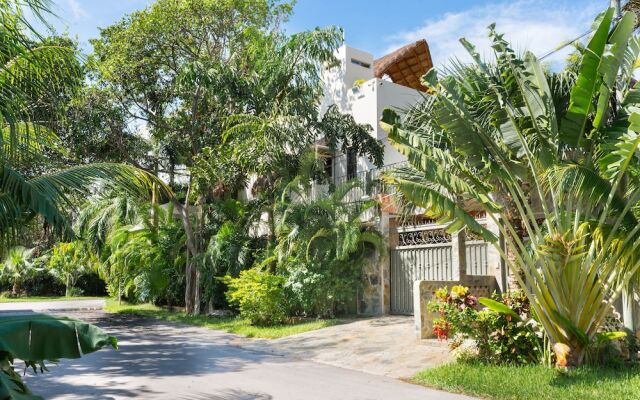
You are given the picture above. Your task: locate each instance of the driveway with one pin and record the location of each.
(162, 360)
(381, 346)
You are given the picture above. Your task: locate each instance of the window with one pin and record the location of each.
(360, 63)
(352, 163)
(328, 167)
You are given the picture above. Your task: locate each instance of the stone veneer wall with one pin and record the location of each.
(424, 291)
(374, 298)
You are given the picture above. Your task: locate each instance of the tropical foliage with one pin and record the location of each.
(30, 71)
(37, 77)
(551, 157)
(322, 247)
(68, 261)
(38, 338)
(16, 267)
(259, 296)
(231, 109)
(504, 333)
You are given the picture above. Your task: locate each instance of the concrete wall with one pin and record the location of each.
(338, 81)
(424, 292)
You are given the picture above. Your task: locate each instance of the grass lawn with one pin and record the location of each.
(533, 383)
(45, 298)
(229, 324)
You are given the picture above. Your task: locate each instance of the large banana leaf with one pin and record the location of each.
(581, 104)
(35, 338)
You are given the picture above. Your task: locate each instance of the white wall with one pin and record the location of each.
(339, 80)
(366, 103)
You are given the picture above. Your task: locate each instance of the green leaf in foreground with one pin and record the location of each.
(35, 338)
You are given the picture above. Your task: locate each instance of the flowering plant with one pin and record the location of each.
(456, 307)
(441, 328)
(498, 337)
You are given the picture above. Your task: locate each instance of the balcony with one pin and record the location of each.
(370, 184)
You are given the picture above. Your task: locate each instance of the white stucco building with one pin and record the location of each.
(420, 251)
(364, 87)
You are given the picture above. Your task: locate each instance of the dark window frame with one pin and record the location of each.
(352, 163)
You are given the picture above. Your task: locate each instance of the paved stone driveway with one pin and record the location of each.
(380, 346)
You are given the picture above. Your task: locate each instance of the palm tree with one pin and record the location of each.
(30, 71)
(548, 156)
(322, 245)
(16, 266)
(68, 261)
(143, 255)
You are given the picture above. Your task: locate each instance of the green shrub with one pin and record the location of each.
(76, 292)
(322, 288)
(259, 296)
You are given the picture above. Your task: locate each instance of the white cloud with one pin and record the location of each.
(77, 11)
(538, 26)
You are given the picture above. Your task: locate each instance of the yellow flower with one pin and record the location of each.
(442, 293)
(459, 291)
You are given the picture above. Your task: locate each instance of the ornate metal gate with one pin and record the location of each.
(432, 262)
(423, 253)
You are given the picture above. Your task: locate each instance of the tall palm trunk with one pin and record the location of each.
(191, 253)
(197, 292)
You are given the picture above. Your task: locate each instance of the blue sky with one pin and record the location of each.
(380, 26)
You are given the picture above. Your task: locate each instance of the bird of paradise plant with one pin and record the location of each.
(552, 159)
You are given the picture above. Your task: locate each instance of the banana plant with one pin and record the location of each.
(550, 157)
(36, 338)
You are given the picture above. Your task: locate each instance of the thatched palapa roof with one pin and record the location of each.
(633, 6)
(406, 65)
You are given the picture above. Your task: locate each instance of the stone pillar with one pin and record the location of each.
(495, 264)
(391, 242)
(459, 255)
(421, 321)
(374, 298)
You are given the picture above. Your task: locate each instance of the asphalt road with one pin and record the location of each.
(162, 360)
(40, 306)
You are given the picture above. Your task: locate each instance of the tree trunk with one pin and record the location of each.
(197, 292)
(568, 356)
(15, 288)
(189, 293)
(172, 172)
(67, 292)
(628, 309)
